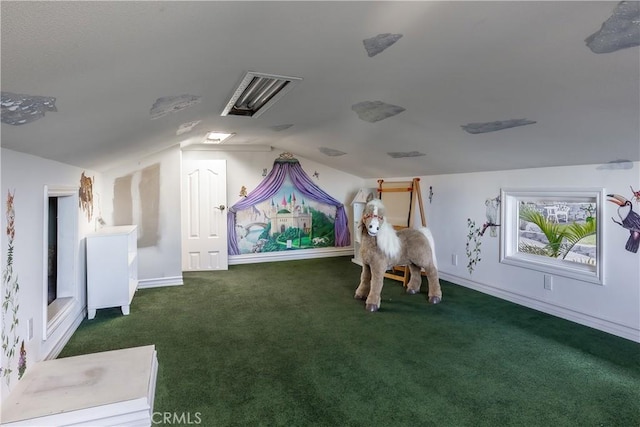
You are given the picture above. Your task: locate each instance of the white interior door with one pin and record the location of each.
(204, 215)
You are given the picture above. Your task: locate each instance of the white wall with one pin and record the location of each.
(26, 176)
(158, 265)
(613, 307)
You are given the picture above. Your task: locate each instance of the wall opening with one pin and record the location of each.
(52, 251)
(60, 255)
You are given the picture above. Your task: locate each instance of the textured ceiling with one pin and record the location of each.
(388, 89)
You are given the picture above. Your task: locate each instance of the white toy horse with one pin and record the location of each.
(383, 247)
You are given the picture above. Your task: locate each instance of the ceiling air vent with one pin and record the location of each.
(256, 93)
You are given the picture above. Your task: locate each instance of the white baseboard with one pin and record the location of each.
(66, 336)
(289, 255)
(598, 323)
(160, 282)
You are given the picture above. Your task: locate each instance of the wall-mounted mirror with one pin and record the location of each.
(557, 231)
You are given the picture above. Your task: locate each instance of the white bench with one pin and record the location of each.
(112, 388)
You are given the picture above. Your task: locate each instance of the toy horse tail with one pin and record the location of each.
(429, 236)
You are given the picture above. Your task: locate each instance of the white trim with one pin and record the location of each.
(57, 312)
(599, 323)
(510, 220)
(66, 336)
(70, 288)
(133, 413)
(160, 282)
(289, 255)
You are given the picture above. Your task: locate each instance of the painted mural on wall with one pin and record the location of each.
(22, 361)
(10, 303)
(473, 246)
(85, 194)
(136, 200)
(628, 218)
(492, 213)
(286, 221)
(286, 211)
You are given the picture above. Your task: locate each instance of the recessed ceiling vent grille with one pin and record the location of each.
(257, 92)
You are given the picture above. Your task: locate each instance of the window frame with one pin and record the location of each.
(511, 201)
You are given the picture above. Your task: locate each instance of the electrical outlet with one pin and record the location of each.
(548, 282)
(454, 259)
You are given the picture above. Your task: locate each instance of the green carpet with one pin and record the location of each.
(285, 344)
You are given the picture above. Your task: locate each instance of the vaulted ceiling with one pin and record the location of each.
(387, 89)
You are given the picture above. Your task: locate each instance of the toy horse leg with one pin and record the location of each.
(365, 282)
(413, 286)
(377, 281)
(435, 292)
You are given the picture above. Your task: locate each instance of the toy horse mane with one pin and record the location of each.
(387, 239)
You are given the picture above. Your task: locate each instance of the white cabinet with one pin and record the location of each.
(112, 268)
(358, 204)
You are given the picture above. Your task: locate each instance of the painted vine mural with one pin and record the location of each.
(475, 233)
(10, 305)
(473, 244)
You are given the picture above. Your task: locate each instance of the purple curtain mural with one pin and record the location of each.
(285, 166)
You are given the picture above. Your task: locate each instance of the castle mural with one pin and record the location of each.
(286, 211)
(285, 222)
(289, 214)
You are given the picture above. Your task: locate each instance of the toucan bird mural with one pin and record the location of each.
(629, 219)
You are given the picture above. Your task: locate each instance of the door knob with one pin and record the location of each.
(221, 207)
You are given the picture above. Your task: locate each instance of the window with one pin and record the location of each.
(557, 231)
